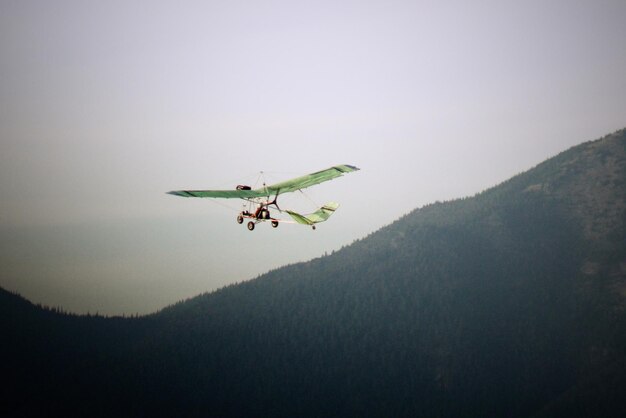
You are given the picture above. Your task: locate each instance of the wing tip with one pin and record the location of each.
(179, 193)
(347, 168)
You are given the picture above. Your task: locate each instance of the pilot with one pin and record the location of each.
(259, 210)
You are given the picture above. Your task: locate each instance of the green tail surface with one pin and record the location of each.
(319, 215)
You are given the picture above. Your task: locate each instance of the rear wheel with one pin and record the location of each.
(275, 224)
(239, 219)
(250, 225)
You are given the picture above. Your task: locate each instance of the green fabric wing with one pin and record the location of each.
(224, 194)
(310, 179)
(275, 189)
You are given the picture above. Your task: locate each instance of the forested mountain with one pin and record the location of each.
(511, 303)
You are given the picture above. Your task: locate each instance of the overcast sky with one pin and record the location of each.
(105, 106)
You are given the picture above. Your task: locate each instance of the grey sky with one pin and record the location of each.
(105, 106)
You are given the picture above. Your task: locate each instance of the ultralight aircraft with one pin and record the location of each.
(259, 200)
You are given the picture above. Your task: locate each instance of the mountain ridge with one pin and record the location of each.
(507, 303)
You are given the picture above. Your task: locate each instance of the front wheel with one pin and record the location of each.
(275, 224)
(250, 225)
(239, 219)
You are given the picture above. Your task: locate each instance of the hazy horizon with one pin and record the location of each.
(107, 106)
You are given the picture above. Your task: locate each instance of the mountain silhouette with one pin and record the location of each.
(510, 303)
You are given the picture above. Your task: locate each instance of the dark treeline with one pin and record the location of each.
(507, 304)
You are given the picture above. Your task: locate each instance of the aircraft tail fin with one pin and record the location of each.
(320, 215)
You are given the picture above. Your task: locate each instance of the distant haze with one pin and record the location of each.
(105, 106)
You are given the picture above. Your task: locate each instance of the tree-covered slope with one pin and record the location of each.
(54, 363)
(510, 303)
